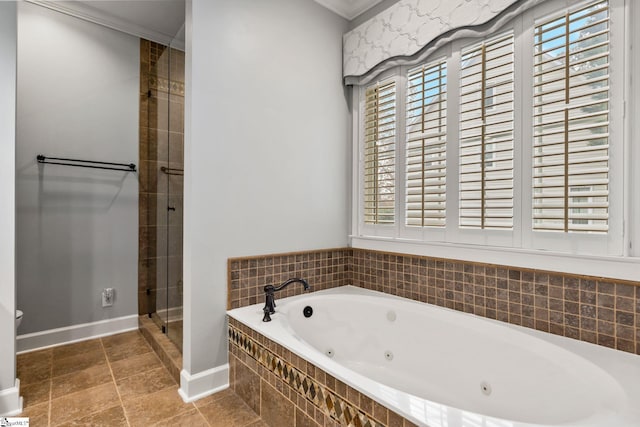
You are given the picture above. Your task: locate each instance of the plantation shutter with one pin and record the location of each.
(379, 153)
(426, 115)
(571, 121)
(487, 134)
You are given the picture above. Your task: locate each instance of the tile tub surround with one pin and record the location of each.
(597, 310)
(323, 269)
(284, 389)
(593, 309)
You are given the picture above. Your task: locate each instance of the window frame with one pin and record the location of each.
(405, 231)
(524, 247)
(378, 230)
(441, 64)
(611, 243)
(487, 236)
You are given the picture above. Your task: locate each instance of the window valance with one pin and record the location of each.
(410, 30)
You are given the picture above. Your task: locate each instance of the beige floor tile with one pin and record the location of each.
(35, 393)
(83, 403)
(258, 423)
(228, 411)
(121, 339)
(122, 349)
(77, 363)
(76, 348)
(111, 417)
(83, 393)
(145, 383)
(40, 356)
(80, 380)
(35, 374)
(214, 397)
(192, 418)
(147, 410)
(34, 367)
(135, 365)
(38, 415)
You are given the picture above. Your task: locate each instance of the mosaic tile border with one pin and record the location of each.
(328, 401)
(165, 85)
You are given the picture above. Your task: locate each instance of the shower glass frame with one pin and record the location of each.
(166, 93)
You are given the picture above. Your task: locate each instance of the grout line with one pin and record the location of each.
(50, 390)
(113, 378)
(202, 415)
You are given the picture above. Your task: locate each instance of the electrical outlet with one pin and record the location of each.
(108, 294)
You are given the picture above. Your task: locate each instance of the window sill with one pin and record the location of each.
(621, 268)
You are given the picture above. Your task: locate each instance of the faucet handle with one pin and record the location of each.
(270, 303)
(267, 316)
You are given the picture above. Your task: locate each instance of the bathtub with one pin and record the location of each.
(442, 368)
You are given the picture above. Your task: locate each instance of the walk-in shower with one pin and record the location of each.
(161, 184)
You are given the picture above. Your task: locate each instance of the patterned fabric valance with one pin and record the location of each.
(408, 27)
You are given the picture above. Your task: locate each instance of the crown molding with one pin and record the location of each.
(96, 17)
(348, 9)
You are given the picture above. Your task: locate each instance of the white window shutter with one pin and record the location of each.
(426, 143)
(571, 121)
(487, 134)
(380, 153)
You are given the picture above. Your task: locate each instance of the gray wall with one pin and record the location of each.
(7, 202)
(76, 228)
(266, 148)
(368, 14)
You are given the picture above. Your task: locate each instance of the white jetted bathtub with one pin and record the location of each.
(442, 368)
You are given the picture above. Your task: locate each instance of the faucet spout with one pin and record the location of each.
(270, 301)
(293, 280)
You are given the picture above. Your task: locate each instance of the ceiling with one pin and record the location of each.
(348, 8)
(157, 20)
(163, 20)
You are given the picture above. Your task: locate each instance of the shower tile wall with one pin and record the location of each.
(161, 139)
(593, 309)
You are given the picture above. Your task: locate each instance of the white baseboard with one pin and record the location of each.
(203, 384)
(70, 334)
(10, 401)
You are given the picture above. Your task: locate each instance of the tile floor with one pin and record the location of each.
(116, 381)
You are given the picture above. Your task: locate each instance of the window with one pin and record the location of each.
(426, 149)
(486, 134)
(571, 121)
(512, 140)
(379, 153)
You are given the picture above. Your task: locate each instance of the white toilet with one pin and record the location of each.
(19, 315)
